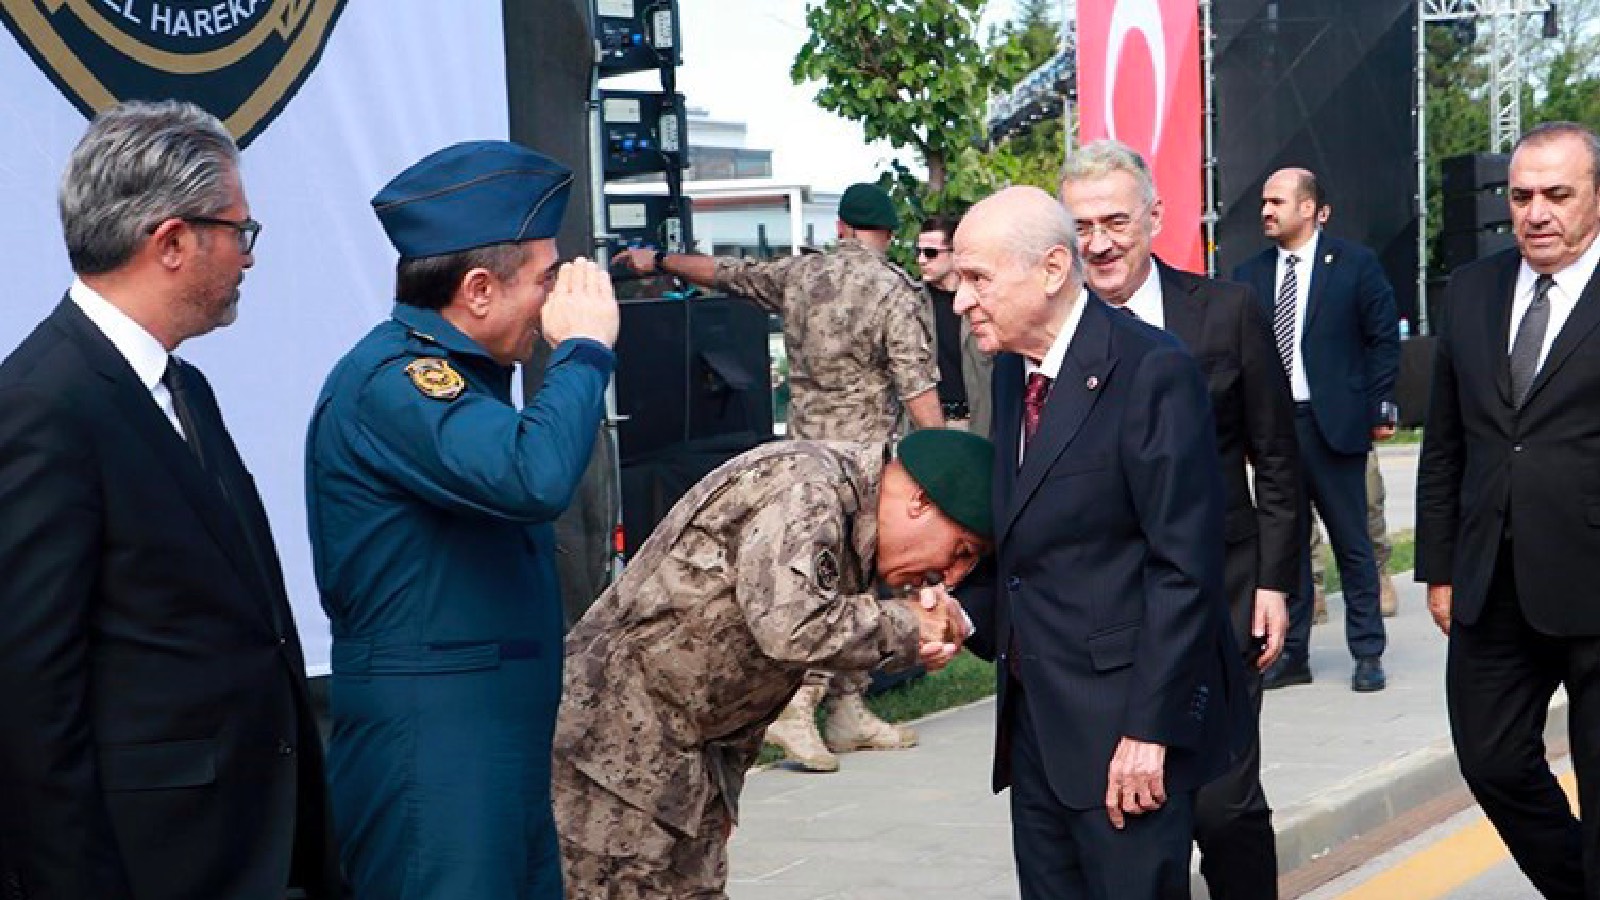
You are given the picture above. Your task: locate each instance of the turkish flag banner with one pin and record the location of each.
(1139, 82)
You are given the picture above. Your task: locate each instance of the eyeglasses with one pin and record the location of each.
(1117, 226)
(930, 252)
(248, 229)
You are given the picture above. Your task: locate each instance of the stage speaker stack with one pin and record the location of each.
(1477, 217)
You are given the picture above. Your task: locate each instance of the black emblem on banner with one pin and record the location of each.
(240, 59)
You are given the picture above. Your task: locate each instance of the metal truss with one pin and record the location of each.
(1504, 18)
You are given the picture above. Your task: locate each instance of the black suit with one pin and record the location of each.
(1224, 328)
(1106, 597)
(1508, 512)
(1350, 346)
(158, 740)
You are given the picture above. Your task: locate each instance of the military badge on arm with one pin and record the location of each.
(436, 379)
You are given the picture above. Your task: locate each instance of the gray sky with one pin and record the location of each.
(736, 58)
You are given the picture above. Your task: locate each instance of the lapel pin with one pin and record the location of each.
(1327, 260)
(1092, 382)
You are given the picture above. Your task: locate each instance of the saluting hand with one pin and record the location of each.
(581, 305)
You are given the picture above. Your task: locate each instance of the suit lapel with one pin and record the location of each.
(1083, 376)
(1321, 270)
(1007, 374)
(133, 401)
(1499, 327)
(1184, 313)
(1583, 320)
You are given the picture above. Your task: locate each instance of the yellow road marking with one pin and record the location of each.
(1445, 865)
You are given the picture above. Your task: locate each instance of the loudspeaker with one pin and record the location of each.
(1477, 211)
(1473, 172)
(688, 370)
(1458, 249)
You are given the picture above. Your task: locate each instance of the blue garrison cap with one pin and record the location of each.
(471, 195)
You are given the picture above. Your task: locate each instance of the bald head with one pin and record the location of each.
(1017, 255)
(1289, 202)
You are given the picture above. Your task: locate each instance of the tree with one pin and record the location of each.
(912, 72)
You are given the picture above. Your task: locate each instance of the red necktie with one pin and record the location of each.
(1033, 398)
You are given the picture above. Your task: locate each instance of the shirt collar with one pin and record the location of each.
(139, 347)
(1146, 301)
(1051, 364)
(434, 328)
(1571, 280)
(1304, 254)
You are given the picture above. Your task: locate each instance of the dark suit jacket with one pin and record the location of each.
(1108, 574)
(1351, 343)
(157, 740)
(1225, 330)
(1486, 467)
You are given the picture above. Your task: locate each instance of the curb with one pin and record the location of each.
(1323, 821)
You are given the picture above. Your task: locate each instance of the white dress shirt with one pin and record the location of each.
(1305, 262)
(1050, 365)
(1146, 301)
(142, 351)
(1563, 297)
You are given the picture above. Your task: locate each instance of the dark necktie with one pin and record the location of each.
(1033, 398)
(183, 404)
(1530, 340)
(1283, 314)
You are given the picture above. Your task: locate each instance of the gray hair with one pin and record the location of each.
(1045, 225)
(430, 282)
(1104, 157)
(1548, 131)
(138, 165)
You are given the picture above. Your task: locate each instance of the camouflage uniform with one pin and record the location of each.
(859, 336)
(858, 333)
(764, 568)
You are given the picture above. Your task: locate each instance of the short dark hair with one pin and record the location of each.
(1311, 186)
(945, 222)
(429, 282)
(1546, 131)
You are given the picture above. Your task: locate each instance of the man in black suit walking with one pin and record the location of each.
(1119, 686)
(158, 739)
(1109, 190)
(1335, 326)
(1508, 509)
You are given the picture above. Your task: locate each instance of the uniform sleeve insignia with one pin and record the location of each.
(435, 379)
(826, 571)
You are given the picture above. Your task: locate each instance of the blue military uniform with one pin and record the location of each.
(430, 497)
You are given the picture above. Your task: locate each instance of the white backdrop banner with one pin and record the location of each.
(394, 81)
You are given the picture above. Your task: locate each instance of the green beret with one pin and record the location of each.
(868, 206)
(956, 470)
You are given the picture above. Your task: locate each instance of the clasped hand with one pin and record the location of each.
(943, 625)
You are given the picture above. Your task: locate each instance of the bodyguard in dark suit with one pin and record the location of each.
(1109, 190)
(1119, 685)
(1334, 323)
(1508, 509)
(158, 740)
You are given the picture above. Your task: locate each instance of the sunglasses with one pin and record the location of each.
(930, 252)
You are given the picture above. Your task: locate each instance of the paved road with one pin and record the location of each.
(1399, 466)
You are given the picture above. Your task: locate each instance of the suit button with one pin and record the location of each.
(1013, 583)
(285, 749)
(283, 642)
(1517, 448)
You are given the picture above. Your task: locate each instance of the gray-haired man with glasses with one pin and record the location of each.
(158, 740)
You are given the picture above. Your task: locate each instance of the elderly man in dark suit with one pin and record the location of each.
(158, 742)
(1508, 509)
(1119, 685)
(1335, 325)
(1109, 190)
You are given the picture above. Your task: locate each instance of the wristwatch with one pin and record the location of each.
(660, 259)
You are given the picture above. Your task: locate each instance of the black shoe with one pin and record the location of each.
(1285, 673)
(1369, 675)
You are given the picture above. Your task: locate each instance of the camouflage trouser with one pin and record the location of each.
(839, 684)
(1377, 526)
(613, 851)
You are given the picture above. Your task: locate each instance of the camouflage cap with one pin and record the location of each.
(868, 206)
(956, 469)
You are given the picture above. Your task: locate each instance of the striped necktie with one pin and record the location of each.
(1283, 314)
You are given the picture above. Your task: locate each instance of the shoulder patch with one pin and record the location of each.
(825, 569)
(435, 378)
